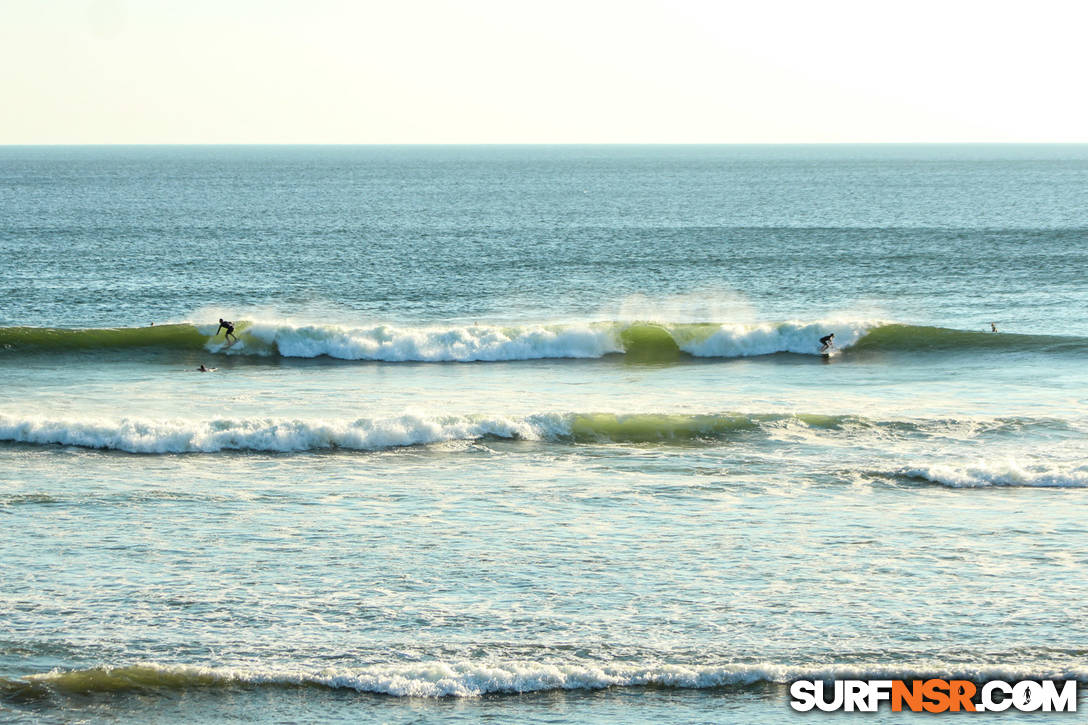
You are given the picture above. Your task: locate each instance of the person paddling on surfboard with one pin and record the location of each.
(229, 327)
(828, 341)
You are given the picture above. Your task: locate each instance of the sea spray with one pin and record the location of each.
(496, 343)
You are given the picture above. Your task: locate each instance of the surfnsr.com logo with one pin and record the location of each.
(934, 695)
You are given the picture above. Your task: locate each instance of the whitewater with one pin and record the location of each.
(472, 343)
(468, 679)
(494, 343)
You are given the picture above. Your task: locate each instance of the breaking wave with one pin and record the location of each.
(365, 434)
(1001, 473)
(473, 679)
(479, 343)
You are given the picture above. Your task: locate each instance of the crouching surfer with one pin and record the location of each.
(229, 327)
(827, 342)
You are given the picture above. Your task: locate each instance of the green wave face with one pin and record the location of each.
(649, 343)
(917, 338)
(122, 679)
(640, 341)
(661, 428)
(650, 428)
(176, 337)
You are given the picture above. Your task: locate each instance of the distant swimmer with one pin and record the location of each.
(229, 327)
(828, 341)
(993, 327)
(203, 369)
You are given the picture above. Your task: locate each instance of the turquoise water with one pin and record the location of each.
(535, 433)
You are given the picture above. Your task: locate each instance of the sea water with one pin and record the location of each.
(535, 434)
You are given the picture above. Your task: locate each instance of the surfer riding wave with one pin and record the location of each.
(229, 327)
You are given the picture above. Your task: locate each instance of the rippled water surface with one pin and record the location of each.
(535, 434)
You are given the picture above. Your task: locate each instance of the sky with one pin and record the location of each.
(509, 71)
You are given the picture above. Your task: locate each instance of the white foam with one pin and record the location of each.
(139, 435)
(491, 343)
(473, 679)
(770, 338)
(1007, 472)
(268, 434)
(439, 344)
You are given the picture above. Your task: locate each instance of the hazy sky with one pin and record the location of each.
(503, 71)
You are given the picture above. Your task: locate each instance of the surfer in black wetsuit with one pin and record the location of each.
(993, 327)
(828, 341)
(229, 326)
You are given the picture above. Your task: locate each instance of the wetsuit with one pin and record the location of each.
(230, 329)
(826, 342)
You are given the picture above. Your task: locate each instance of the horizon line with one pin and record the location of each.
(554, 143)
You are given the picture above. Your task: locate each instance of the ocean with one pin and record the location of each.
(536, 434)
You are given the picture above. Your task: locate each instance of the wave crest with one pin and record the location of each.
(435, 344)
(1001, 473)
(364, 434)
(134, 435)
(491, 343)
(263, 434)
(473, 679)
